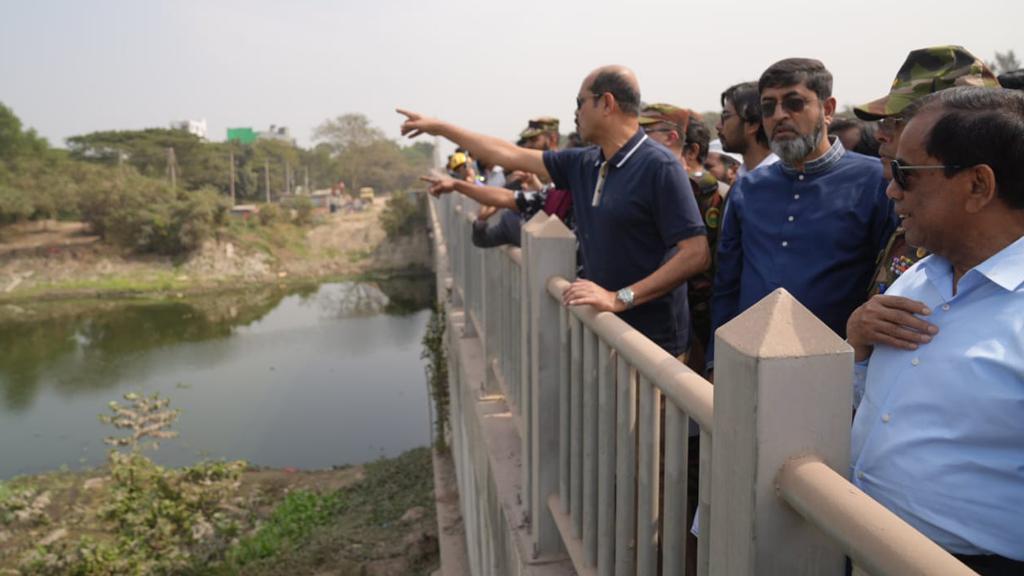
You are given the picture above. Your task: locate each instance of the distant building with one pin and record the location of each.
(197, 127)
(280, 133)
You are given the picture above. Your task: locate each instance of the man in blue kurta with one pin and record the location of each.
(812, 223)
(939, 432)
(632, 205)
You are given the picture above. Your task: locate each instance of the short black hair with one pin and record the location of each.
(1013, 79)
(697, 133)
(980, 126)
(746, 99)
(867, 144)
(792, 71)
(616, 84)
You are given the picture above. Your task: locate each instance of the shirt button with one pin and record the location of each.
(886, 418)
(945, 307)
(785, 243)
(800, 177)
(915, 361)
(796, 196)
(860, 475)
(790, 218)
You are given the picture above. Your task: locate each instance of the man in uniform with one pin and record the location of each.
(925, 71)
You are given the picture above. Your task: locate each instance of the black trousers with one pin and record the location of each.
(992, 565)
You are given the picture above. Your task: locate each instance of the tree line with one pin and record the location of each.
(165, 190)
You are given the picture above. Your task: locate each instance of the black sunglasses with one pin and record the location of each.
(792, 104)
(899, 170)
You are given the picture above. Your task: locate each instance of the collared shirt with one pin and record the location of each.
(644, 208)
(768, 160)
(939, 435)
(816, 233)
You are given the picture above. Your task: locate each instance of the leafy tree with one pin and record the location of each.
(347, 131)
(1004, 62)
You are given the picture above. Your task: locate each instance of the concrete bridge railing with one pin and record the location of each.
(603, 417)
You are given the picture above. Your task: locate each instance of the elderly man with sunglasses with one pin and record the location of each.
(939, 433)
(631, 203)
(886, 319)
(812, 223)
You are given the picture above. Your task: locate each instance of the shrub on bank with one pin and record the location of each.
(149, 216)
(404, 213)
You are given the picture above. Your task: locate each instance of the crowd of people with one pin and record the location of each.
(902, 229)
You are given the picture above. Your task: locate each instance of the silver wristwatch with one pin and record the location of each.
(625, 296)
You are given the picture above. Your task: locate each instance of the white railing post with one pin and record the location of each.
(549, 249)
(782, 390)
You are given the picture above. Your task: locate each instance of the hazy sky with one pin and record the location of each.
(76, 66)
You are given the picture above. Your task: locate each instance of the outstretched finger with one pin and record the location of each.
(407, 113)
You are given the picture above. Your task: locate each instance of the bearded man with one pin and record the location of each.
(812, 223)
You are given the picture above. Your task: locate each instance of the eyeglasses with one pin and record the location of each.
(899, 170)
(792, 104)
(724, 116)
(891, 124)
(580, 101)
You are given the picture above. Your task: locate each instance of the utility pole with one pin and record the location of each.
(172, 167)
(287, 178)
(305, 180)
(232, 161)
(266, 177)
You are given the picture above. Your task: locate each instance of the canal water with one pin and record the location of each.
(307, 378)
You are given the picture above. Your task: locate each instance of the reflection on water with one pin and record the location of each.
(319, 376)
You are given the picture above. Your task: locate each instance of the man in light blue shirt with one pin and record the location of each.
(939, 433)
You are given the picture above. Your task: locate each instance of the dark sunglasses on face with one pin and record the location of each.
(792, 104)
(899, 170)
(890, 124)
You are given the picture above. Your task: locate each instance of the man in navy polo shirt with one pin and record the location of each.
(632, 204)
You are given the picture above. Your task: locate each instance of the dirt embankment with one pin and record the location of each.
(61, 259)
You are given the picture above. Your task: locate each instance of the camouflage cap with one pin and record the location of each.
(538, 126)
(926, 71)
(661, 112)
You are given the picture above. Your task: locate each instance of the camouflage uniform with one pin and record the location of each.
(925, 71)
(710, 201)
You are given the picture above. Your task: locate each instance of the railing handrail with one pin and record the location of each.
(876, 539)
(685, 388)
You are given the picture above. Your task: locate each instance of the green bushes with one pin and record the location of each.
(162, 521)
(303, 208)
(404, 213)
(147, 215)
(434, 352)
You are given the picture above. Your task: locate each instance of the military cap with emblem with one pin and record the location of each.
(538, 126)
(661, 112)
(926, 71)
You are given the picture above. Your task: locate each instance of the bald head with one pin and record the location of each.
(618, 81)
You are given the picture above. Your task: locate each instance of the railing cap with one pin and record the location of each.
(552, 227)
(779, 326)
(539, 218)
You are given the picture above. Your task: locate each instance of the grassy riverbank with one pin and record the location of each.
(377, 518)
